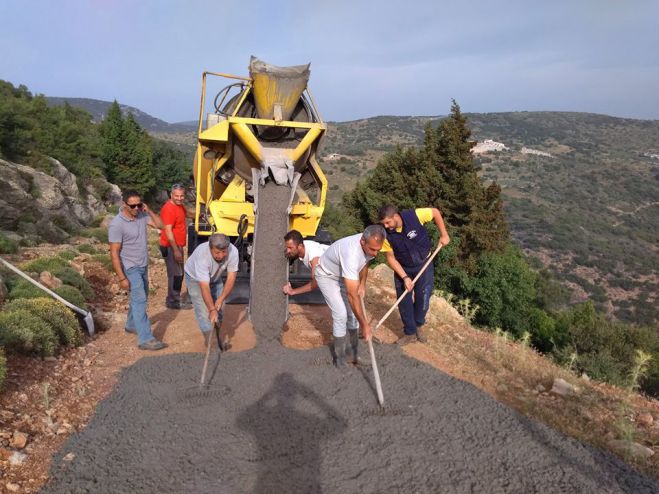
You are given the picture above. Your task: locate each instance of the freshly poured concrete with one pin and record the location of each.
(276, 420)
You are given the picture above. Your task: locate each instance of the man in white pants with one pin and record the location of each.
(341, 276)
(309, 253)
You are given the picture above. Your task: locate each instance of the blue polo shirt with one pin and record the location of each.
(132, 235)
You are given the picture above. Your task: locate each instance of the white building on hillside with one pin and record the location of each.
(487, 146)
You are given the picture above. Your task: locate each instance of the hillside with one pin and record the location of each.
(580, 190)
(588, 211)
(99, 108)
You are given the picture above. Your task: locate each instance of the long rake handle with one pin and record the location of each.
(208, 352)
(430, 259)
(376, 373)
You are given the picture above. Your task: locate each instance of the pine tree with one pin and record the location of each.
(113, 151)
(474, 210)
(127, 152)
(136, 170)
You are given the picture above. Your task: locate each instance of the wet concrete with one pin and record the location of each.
(275, 420)
(268, 308)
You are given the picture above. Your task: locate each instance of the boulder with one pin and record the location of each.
(50, 281)
(50, 206)
(636, 450)
(562, 387)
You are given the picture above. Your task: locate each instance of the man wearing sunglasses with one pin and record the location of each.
(130, 258)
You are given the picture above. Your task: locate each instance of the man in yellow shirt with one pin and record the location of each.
(406, 249)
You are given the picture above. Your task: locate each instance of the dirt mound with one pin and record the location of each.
(281, 420)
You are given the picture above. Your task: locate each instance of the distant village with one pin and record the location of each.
(489, 145)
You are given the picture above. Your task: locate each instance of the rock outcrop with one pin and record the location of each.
(35, 204)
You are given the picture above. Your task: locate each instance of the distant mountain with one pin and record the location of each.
(581, 192)
(99, 108)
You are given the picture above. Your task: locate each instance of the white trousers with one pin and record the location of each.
(334, 292)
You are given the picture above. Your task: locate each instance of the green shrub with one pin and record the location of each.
(23, 289)
(87, 249)
(70, 276)
(101, 234)
(53, 313)
(7, 245)
(71, 294)
(24, 332)
(67, 255)
(50, 264)
(3, 367)
(26, 290)
(104, 259)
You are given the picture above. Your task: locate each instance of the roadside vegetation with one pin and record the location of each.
(484, 271)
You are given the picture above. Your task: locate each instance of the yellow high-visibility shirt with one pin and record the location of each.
(424, 215)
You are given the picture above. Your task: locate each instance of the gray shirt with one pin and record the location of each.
(201, 266)
(132, 235)
(345, 258)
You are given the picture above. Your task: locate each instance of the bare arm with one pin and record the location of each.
(226, 290)
(208, 300)
(178, 252)
(154, 220)
(439, 221)
(115, 248)
(307, 287)
(398, 269)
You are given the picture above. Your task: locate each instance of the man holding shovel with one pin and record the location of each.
(341, 276)
(406, 249)
(203, 271)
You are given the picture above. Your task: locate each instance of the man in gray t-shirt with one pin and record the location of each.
(341, 276)
(203, 271)
(127, 235)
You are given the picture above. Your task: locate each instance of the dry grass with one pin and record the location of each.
(518, 376)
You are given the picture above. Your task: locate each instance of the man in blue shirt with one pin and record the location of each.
(406, 249)
(130, 258)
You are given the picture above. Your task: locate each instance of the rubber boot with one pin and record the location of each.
(354, 345)
(340, 351)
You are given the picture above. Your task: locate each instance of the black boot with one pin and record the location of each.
(340, 351)
(354, 345)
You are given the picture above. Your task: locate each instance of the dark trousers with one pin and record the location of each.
(413, 309)
(174, 277)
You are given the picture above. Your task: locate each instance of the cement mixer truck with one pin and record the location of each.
(256, 176)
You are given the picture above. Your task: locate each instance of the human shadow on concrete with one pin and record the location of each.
(289, 423)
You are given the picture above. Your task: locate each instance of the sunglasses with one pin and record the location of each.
(133, 206)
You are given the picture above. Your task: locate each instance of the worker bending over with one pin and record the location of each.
(203, 271)
(309, 253)
(341, 276)
(406, 249)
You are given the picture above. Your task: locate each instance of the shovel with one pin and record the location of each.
(376, 373)
(86, 316)
(217, 326)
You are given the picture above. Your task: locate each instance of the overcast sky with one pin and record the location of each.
(367, 57)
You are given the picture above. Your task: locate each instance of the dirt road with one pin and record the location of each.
(278, 419)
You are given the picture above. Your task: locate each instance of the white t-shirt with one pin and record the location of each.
(343, 259)
(311, 251)
(201, 266)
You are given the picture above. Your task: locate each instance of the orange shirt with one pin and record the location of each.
(174, 215)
